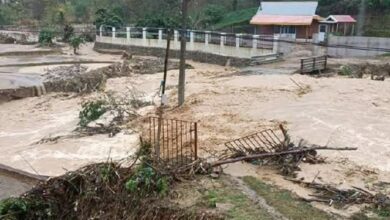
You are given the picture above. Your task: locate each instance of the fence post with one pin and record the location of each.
(238, 36)
(113, 33)
(160, 36)
(176, 36)
(255, 40)
(223, 39)
(192, 39)
(128, 36)
(101, 31)
(206, 38)
(275, 44)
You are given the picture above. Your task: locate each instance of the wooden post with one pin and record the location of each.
(196, 141)
(183, 44)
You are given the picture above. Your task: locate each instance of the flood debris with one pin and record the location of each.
(271, 147)
(136, 188)
(377, 72)
(326, 193)
(109, 113)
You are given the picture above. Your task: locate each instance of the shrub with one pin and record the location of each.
(46, 36)
(68, 33)
(146, 181)
(13, 207)
(345, 71)
(91, 111)
(76, 42)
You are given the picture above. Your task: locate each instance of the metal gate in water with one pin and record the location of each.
(174, 141)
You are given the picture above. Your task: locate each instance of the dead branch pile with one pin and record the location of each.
(119, 109)
(107, 191)
(331, 195)
(375, 71)
(268, 148)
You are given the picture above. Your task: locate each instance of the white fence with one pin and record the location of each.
(233, 45)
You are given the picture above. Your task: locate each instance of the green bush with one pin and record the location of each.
(91, 111)
(345, 71)
(68, 33)
(146, 181)
(76, 42)
(46, 37)
(13, 208)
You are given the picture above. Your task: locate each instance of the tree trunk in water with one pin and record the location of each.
(183, 44)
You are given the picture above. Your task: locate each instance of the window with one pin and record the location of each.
(323, 28)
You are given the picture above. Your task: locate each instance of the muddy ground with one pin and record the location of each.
(228, 103)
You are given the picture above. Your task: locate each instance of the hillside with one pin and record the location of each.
(204, 14)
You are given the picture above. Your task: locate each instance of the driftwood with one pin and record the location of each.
(329, 194)
(283, 153)
(272, 147)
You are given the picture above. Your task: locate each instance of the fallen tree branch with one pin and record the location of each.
(265, 155)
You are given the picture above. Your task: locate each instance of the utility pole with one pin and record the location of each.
(361, 18)
(183, 44)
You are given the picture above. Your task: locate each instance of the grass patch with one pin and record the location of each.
(236, 17)
(285, 202)
(385, 55)
(239, 205)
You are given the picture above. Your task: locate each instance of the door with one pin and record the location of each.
(322, 32)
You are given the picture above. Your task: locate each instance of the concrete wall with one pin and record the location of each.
(21, 37)
(286, 46)
(197, 56)
(350, 46)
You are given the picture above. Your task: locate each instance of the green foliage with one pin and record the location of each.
(236, 18)
(345, 71)
(212, 199)
(107, 18)
(11, 13)
(159, 20)
(14, 208)
(76, 42)
(107, 172)
(146, 181)
(46, 36)
(21, 208)
(91, 111)
(213, 14)
(383, 212)
(285, 202)
(68, 33)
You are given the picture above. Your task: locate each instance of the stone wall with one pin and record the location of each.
(160, 52)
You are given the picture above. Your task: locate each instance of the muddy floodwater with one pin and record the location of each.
(36, 132)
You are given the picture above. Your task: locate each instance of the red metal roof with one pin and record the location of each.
(282, 20)
(343, 18)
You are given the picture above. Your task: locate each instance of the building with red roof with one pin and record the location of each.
(295, 19)
(341, 24)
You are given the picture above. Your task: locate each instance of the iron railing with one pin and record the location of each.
(174, 141)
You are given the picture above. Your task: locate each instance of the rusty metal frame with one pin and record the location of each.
(266, 141)
(174, 141)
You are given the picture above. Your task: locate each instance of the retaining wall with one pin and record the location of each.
(197, 56)
(353, 46)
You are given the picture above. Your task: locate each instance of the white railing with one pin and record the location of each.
(234, 45)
